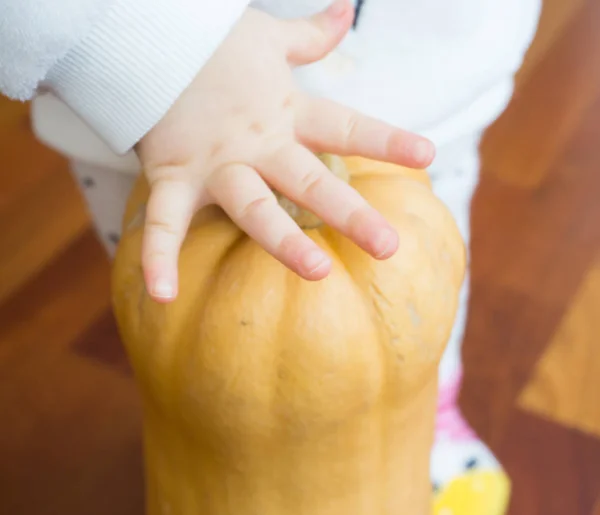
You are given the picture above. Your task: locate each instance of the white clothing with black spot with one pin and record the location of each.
(106, 192)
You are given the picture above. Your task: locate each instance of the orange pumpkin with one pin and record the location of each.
(265, 394)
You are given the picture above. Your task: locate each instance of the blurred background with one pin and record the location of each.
(69, 415)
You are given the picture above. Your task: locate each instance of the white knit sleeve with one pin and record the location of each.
(35, 34)
(119, 64)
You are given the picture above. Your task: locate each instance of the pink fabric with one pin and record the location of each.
(449, 421)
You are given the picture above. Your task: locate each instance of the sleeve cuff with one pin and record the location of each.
(123, 77)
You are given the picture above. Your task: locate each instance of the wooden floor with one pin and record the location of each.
(69, 415)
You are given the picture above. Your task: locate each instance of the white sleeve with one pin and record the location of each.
(119, 64)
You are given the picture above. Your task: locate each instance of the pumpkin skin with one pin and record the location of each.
(265, 394)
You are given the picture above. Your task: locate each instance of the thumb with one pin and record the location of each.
(168, 214)
(311, 39)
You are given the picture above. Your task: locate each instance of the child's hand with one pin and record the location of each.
(242, 124)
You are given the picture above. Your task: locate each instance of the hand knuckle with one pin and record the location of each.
(350, 128)
(162, 227)
(310, 182)
(256, 205)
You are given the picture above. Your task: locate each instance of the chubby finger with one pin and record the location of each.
(249, 202)
(311, 39)
(171, 206)
(301, 176)
(326, 126)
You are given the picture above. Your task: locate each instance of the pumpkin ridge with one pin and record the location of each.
(332, 238)
(226, 256)
(175, 359)
(282, 343)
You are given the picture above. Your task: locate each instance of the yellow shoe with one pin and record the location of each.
(483, 492)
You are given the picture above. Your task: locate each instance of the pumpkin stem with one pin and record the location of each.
(303, 217)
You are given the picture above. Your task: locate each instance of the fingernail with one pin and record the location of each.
(313, 260)
(163, 289)
(338, 9)
(385, 243)
(424, 152)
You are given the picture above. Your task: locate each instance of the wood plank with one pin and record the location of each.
(532, 245)
(556, 16)
(101, 343)
(11, 113)
(565, 380)
(543, 239)
(506, 333)
(56, 306)
(554, 470)
(25, 161)
(548, 108)
(71, 438)
(38, 227)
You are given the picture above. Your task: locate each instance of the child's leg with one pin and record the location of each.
(106, 192)
(465, 475)
(454, 176)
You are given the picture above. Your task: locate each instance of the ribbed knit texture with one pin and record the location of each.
(135, 62)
